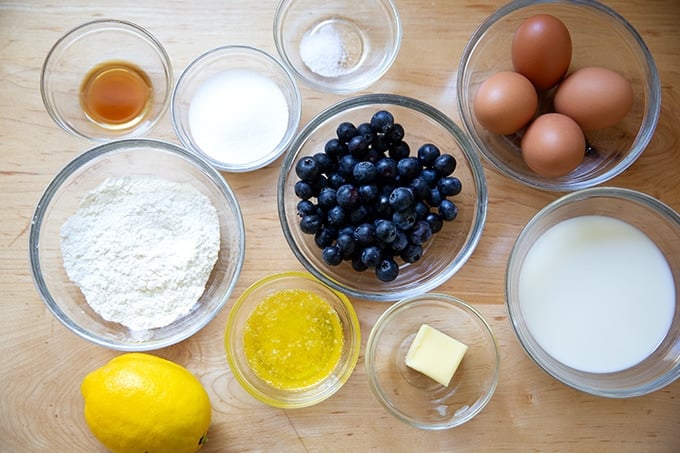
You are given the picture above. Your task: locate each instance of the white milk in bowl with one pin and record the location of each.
(596, 294)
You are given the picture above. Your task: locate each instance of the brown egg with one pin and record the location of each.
(541, 50)
(505, 102)
(553, 145)
(594, 97)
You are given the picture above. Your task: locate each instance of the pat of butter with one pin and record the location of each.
(435, 354)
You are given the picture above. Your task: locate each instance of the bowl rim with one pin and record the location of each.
(413, 301)
(294, 109)
(335, 86)
(240, 377)
(512, 307)
(465, 146)
(650, 118)
(57, 182)
(133, 132)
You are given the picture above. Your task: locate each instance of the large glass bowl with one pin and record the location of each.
(61, 199)
(448, 249)
(600, 37)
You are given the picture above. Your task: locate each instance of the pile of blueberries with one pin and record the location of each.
(367, 200)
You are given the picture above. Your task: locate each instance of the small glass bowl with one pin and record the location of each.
(445, 253)
(259, 389)
(659, 223)
(93, 45)
(338, 46)
(413, 397)
(238, 117)
(61, 199)
(618, 46)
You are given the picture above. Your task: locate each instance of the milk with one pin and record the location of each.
(596, 293)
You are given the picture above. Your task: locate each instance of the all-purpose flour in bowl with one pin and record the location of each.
(141, 249)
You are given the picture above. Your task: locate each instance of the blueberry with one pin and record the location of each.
(325, 237)
(336, 216)
(396, 134)
(347, 245)
(303, 190)
(332, 255)
(387, 270)
(364, 172)
(412, 253)
(357, 264)
(347, 229)
(335, 149)
(409, 168)
(358, 147)
(380, 143)
(382, 121)
(435, 198)
(367, 131)
(401, 198)
(335, 180)
(430, 176)
(428, 154)
(305, 207)
(448, 210)
(307, 168)
(387, 168)
(400, 242)
(310, 224)
(399, 150)
(405, 219)
(382, 206)
(421, 232)
(324, 161)
(346, 131)
(420, 188)
(371, 256)
(421, 210)
(449, 186)
(359, 215)
(385, 231)
(445, 164)
(436, 221)
(369, 193)
(346, 165)
(327, 198)
(365, 234)
(347, 196)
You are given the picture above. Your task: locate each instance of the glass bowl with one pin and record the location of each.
(62, 198)
(338, 46)
(256, 385)
(237, 107)
(594, 342)
(445, 253)
(413, 397)
(618, 47)
(123, 57)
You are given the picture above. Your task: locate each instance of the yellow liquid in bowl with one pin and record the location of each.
(293, 339)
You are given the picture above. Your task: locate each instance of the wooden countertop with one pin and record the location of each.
(42, 363)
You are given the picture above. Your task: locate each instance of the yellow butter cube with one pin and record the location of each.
(435, 354)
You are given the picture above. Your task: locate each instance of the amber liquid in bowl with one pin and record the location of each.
(116, 95)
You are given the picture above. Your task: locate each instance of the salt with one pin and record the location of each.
(331, 49)
(238, 116)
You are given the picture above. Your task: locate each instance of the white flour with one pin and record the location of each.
(141, 249)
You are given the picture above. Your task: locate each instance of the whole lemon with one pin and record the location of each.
(142, 403)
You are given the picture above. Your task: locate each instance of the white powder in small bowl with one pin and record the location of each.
(141, 249)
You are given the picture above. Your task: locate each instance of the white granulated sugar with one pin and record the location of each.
(238, 116)
(141, 249)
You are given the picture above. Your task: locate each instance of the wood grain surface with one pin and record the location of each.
(42, 363)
